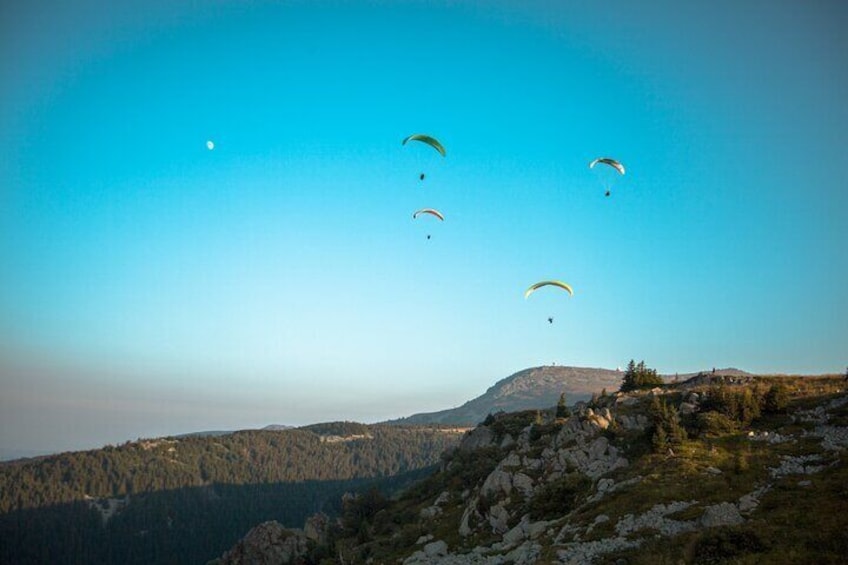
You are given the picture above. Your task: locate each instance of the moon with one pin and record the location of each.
(210, 145)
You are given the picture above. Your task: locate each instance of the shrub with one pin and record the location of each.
(722, 545)
(714, 424)
(558, 497)
(742, 406)
(777, 399)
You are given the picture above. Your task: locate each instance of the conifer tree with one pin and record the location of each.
(562, 410)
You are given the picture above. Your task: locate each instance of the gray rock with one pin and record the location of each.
(517, 534)
(605, 484)
(317, 527)
(747, 503)
(436, 548)
(655, 519)
(507, 442)
(525, 554)
(430, 512)
(470, 517)
(598, 447)
(724, 514)
(499, 519)
(481, 436)
(523, 484)
(498, 482)
(442, 499)
(582, 553)
(687, 408)
(268, 543)
(536, 529)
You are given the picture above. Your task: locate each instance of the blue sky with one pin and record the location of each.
(151, 286)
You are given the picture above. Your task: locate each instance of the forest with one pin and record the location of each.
(186, 499)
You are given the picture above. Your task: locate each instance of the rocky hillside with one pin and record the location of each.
(714, 470)
(530, 388)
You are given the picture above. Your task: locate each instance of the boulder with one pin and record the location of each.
(523, 484)
(496, 483)
(517, 534)
(724, 514)
(499, 519)
(436, 549)
(598, 447)
(316, 528)
(481, 436)
(687, 408)
(470, 517)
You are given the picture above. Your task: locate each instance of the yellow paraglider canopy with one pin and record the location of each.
(539, 285)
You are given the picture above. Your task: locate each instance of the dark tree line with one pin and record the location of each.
(191, 498)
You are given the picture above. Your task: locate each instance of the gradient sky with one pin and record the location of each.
(150, 286)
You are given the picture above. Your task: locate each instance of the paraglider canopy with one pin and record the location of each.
(538, 285)
(431, 211)
(429, 140)
(608, 161)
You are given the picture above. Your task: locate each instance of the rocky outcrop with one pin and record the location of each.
(268, 543)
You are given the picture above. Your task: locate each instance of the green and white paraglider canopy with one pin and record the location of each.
(429, 140)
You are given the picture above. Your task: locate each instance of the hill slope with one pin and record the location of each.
(714, 470)
(186, 499)
(537, 387)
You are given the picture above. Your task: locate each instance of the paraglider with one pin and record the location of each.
(533, 288)
(612, 163)
(429, 140)
(559, 284)
(431, 211)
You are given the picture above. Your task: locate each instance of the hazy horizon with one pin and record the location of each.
(153, 284)
(96, 437)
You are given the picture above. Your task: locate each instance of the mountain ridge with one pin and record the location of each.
(529, 388)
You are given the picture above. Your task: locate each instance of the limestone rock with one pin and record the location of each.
(481, 436)
(268, 543)
(724, 514)
(523, 484)
(497, 482)
(316, 528)
(499, 519)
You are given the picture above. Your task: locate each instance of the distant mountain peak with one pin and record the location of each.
(536, 387)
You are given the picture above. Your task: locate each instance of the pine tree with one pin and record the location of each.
(562, 410)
